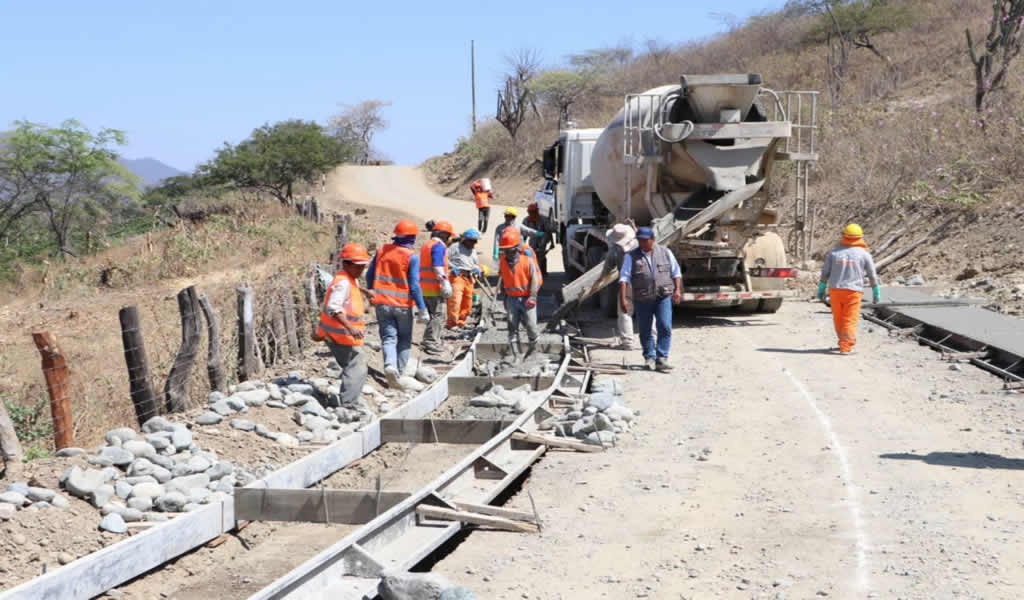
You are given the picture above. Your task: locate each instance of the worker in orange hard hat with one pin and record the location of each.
(542, 243)
(842, 275)
(482, 196)
(342, 323)
(435, 283)
(510, 222)
(394, 276)
(520, 283)
(465, 268)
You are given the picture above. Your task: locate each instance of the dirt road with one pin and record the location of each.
(764, 467)
(404, 188)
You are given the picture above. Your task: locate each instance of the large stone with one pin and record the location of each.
(141, 466)
(161, 474)
(619, 412)
(181, 439)
(248, 386)
(60, 502)
(313, 408)
(123, 489)
(215, 396)
(411, 384)
(603, 423)
(81, 483)
(287, 440)
(121, 434)
(485, 401)
(304, 436)
(222, 408)
(184, 484)
(243, 425)
(298, 399)
(139, 448)
(171, 502)
(160, 440)
(236, 404)
(18, 486)
(39, 494)
(131, 515)
(301, 388)
(181, 470)
(162, 461)
(275, 392)
(209, 418)
(221, 468)
(198, 495)
(600, 438)
(113, 523)
(137, 479)
(253, 397)
(100, 496)
(143, 503)
(7, 511)
(110, 474)
(600, 400)
(13, 498)
(426, 374)
(609, 385)
(66, 452)
(147, 490)
(156, 424)
(402, 585)
(314, 423)
(198, 464)
(99, 461)
(583, 427)
(113, 507)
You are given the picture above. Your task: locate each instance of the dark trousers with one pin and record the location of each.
(483, 215)
(658, 313)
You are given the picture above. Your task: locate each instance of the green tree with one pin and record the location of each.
(64, 174)
(562, 88)
(274, 157)
(856, 22)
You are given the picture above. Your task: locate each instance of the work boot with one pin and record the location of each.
(391, 373)
(530, 349)
(661, 365)
(514, 347)
(431, 349)
(649, 363)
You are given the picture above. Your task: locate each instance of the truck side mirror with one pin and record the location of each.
(550, 162)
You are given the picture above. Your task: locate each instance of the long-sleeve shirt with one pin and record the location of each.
(413, 275)
(524, 230)
(339, 290)
(462, 259)
(437, 253)
(846, 266)
(626, 270)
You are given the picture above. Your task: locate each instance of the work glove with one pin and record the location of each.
(821, 290)
(495, 254)
(477, 272)
(446, 289)
(876, 294)
(538, 234)
(423, 316)
(531, 302)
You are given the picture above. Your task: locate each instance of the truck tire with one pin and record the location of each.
(769, 305)
(766, 250)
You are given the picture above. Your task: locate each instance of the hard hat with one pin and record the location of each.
(354, 253)
(512, 211)
(853, 230)
(406, 227)
(510, 238)
(532, 207)
(486, 271)
(445, 227)
(471, 234)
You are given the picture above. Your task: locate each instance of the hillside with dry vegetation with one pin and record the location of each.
(903, 149)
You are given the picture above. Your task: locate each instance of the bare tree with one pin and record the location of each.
(838, 59)
(517, 98)
(358, 123)
(1003, 43)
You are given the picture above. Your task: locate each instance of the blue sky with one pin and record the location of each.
(183, 78)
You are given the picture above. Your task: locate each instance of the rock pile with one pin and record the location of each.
(515, 400)
(402, 585)
(140, 475)
(22, 496)
(599, 418)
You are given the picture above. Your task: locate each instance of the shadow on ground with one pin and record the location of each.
(970, 460)
(799, 350)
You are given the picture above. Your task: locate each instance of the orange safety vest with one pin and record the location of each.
(482, 198)
(430, 285)
(332, 328)
(517, 281)
(391, 276)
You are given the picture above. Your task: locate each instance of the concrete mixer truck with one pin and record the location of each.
(692, 161)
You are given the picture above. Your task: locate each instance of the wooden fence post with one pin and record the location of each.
(176, 388)
(289, 322)
(277, 329)
(10, 448)
(55, 370)
(246, 341)
(214, 363)
(138, 365)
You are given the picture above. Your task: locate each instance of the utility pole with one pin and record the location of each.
(472, 77)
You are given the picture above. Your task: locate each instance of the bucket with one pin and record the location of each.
(486, 184)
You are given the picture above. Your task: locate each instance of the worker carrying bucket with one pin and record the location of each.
(482, 196)
(842, 275)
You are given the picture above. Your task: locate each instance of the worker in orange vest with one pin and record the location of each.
(482, 196)
(842, 275)
(394, 277)
(342, 325)
(520, 283)
(434, 282)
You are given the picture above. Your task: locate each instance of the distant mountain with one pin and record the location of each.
(150, 170)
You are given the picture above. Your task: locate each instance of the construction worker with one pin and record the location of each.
(342, 324)
(435, 284)
(653, 274)
(482, 196)
(622, 239)
(520, 283)
(524, 231)
(540, 243)
(843, 274)
(394, 276)
(465, 267)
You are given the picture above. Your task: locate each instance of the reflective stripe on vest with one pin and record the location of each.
(516, 282)
(430, 285)
(391, 276)
(332, 328)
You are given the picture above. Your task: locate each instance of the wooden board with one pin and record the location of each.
(441, 431)
(353, 507)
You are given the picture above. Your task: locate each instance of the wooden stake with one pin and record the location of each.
(135, 359)
(246, 340)
(494, 511)
(176, 388)
(55, 370)
(214, 362)
(436, 512)
(554, 442)
(289, 322)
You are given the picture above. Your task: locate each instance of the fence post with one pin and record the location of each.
(289, 322)
(214, 363)
(246, 342)
(277, 328)
(55, 370)
(176, 388)
(10, 448)
(138, 365)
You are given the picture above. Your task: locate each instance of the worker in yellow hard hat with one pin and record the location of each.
(524, 230)
(842, 276)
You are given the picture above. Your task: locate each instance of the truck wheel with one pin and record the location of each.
(769, 305)
(748, 306)
(766, 250)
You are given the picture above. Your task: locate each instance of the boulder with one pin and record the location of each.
(313, 407)
(402, 585)
(426, 374)
(215, 396)
(161, 474)
(113, 523)
(619, 412)
(131, 515)
(14, 498)
(599, 438)
(171, 502)
(209, 418)
(142, 503)
(156, 424)
(66, 452)
(81, 482)
(123, 489)
(39, 494)
(159, 441)
(221, 468)
(222, 408)
(139, 448)
(411, 384)
(181, 439)
(236, 404)
(147, 490)
(288, 441)
(60, 502)
(600, 400)
(141, 466)
(457, 593)
(121, 434)
(184, 484)
(199, 463)
(101, 495)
